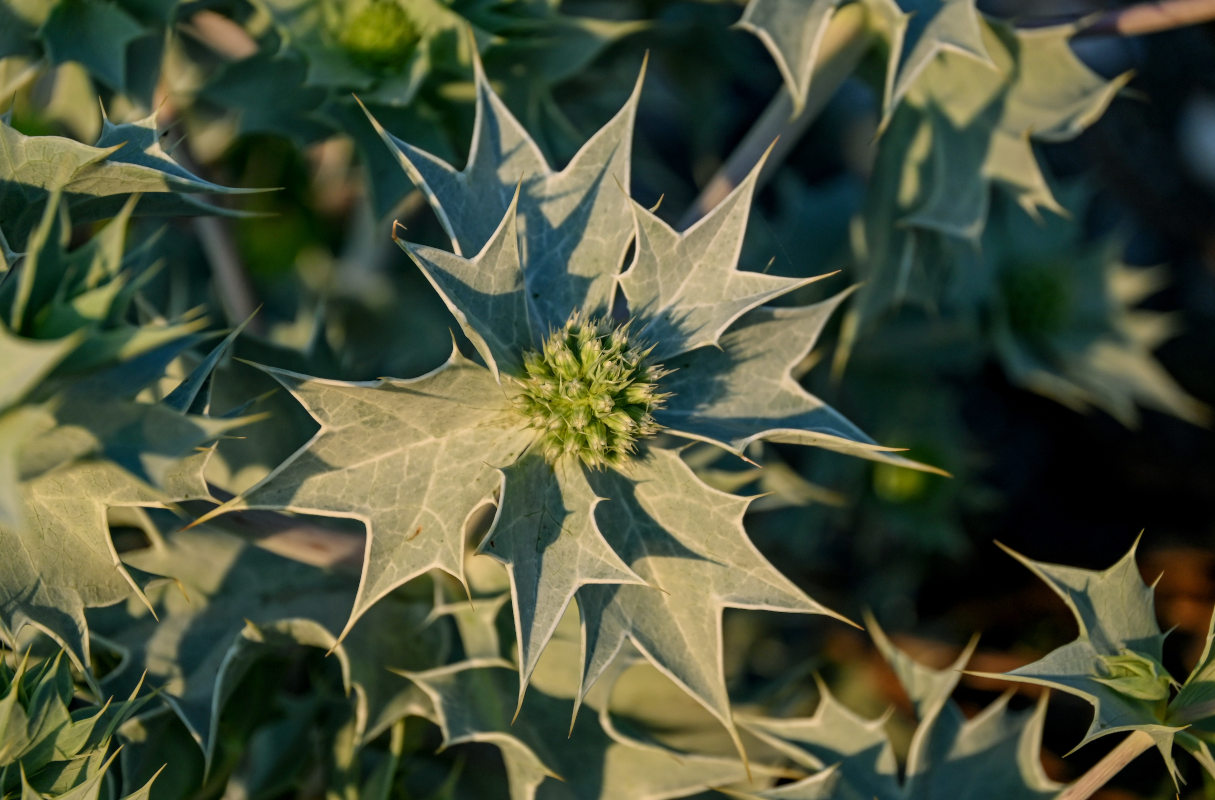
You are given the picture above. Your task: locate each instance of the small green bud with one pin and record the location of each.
(587, 390)
(377, 34)
(1136, 675)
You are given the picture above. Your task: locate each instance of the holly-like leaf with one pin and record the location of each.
(488, 295)
(95, 181)
(228, 603)
(411, 459)
(921, 31)
(686, 286)
(569, 221)
(47, 747)
(1064, 321)
(742, 391)
(472, 703)
(551, 546)
(61, 558)
(793, 31)
(963, 129)
(995, 754)
(686, 540)
(1114, 663)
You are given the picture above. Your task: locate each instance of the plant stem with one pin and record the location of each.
(845, 42)
(1126, 752)
(1152, 17)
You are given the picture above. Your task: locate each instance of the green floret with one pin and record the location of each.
(590, 392)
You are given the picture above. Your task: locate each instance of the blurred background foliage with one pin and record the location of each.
(1054, 357)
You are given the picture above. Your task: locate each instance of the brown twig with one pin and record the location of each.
(1152, 17)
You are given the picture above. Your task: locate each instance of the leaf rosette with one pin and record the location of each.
(589, 505)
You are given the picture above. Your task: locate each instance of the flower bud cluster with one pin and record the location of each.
(590, 392)
(377, 34)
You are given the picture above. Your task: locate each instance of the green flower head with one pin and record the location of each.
(377, 34)
(591, 392)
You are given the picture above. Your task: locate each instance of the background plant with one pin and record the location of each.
(995, 179)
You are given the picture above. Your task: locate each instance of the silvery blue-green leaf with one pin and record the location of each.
(96, 181)
(571, 237)
(193, 395)
(1034, 88)
(687, 542)
(995, 754)
(410, 459)
(94, 34)
(488, 295)
(792, 30)
(921, 30)
(684, 288)
(963, 130)
(1117, 619)
(61, 558)
(551, 546)
(228, 603)
(473, 703)
(1063, 320)
(742, 391)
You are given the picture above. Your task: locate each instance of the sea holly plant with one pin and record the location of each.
(1115, 663)
(558, 424)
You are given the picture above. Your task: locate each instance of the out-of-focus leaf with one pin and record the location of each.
(95, 181)
(229, 603)
(995, 754)
(94, 34)
(473, 703)
(792, 30)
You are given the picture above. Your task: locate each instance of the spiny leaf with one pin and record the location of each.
(996, 754)
(95, 181)
(570, 221)
(792, 30)
(1117, 619)
(411, 459)
(61, 557)
(687, 542)
(228, 603)
(686, 285)
(921, 31)
(962, 130)
(742, 391)
(551, 546)
(488, 295)
(472, 704)
(1064, 322)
